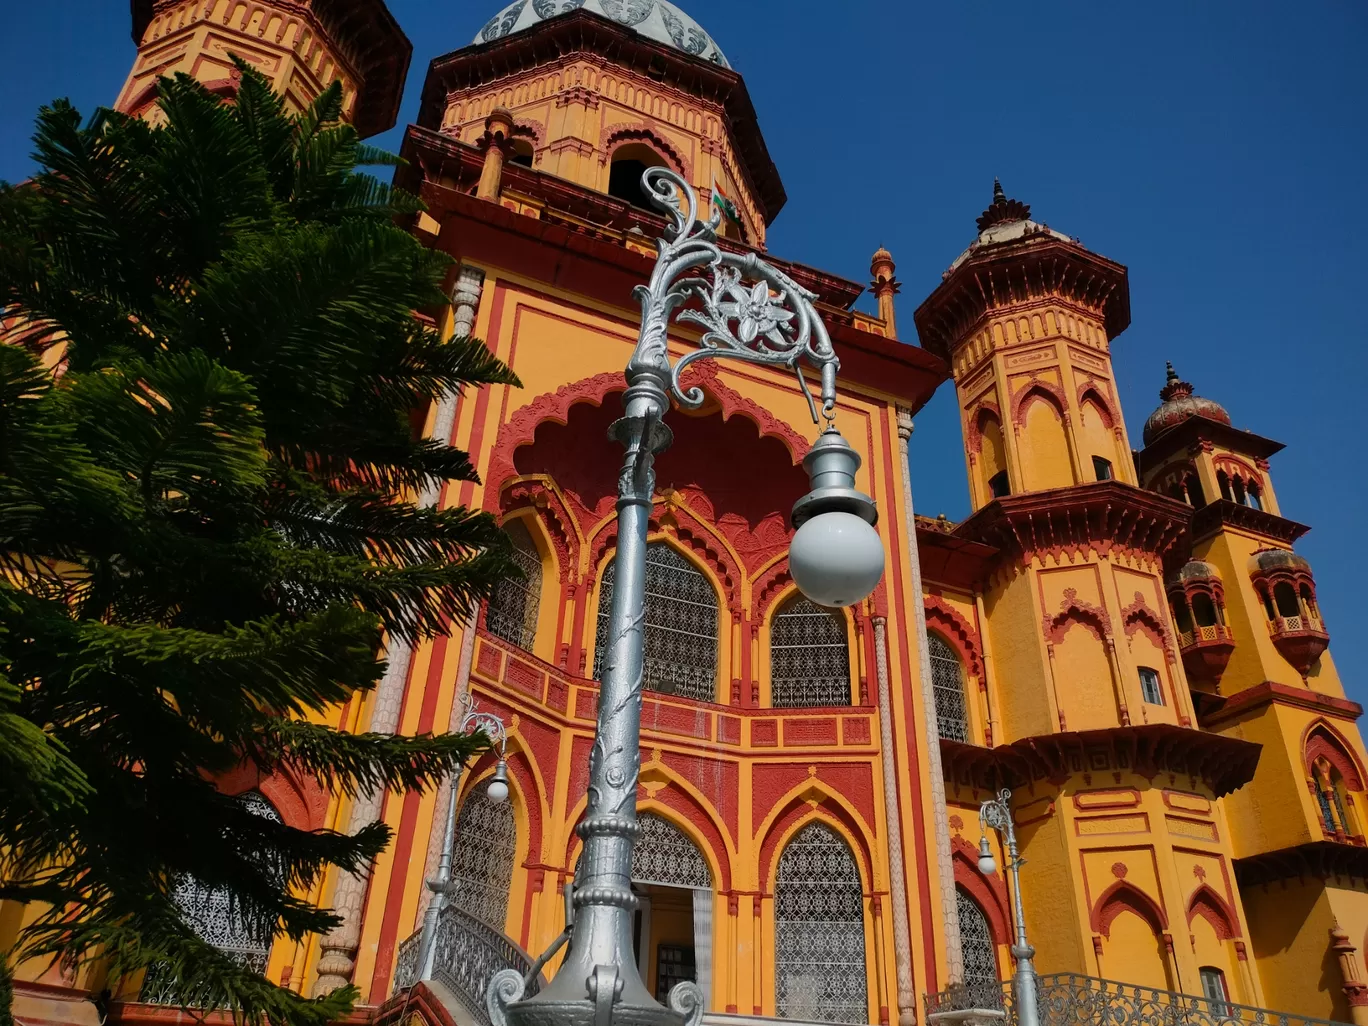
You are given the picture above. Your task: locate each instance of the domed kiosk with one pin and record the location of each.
(654, 19)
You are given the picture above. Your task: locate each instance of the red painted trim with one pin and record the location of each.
(403, 846)
(1125, 897)
(467, 491)
(1214, 909)
(1270, 692)
(1322, 741)
(904, 615)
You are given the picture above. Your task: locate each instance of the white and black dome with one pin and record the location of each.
(654, 19)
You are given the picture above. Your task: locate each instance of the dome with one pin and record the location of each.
(654, 19)
(1195, 570)
(1179, 405)
(1277, 559)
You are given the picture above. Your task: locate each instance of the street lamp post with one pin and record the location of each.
(748, 311)
(441, 885)
(996, 813)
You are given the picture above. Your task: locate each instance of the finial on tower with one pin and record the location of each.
(1002, 210)
(885, 287)
(1174, 387)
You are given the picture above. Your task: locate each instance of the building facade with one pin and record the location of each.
(1122, 637)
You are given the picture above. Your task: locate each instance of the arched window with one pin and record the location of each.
(215, 914)
(1204, 610)
(663, 854)
(947, 683)
(512, 613)
(680, 625)
(522, 153)
(482, 861)
(979, 953)
(999, 485)
(1285, 596)
(1252, 495)
(819, 956)
(1150, 688)
(1182, 615)
(1223, 479)
(809, 656)
(1238, 487)
(624, 175)
(1194, 491)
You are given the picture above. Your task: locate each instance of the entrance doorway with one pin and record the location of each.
(673, 923)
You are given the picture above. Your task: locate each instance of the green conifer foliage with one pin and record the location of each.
(206, 434)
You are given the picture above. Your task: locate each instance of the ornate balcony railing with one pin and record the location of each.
(159, 982)
(1205, 635)
(469, 953)
(1295, 625)
(1067, 999)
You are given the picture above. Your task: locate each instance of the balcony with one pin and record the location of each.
(1206, 651)
(1068, 999)
(1300, 639)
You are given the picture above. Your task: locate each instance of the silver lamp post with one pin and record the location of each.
(996, 813)
(748, 311)
(441, 886)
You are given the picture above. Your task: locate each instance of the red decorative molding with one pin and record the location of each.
(765, 733)
(1125, 897)
(855, 730)
(1206, 903)
(729, 730)
(1270, 692)
(1037, 388)
(643, 132)
(1322, 741)
(1138, 616)
(766, 588)
(978, 421)
(1089, 392)
(1073, 610)
(988, 892)
(946, 621)
(534, 491)
(795, 815)
(810, 732)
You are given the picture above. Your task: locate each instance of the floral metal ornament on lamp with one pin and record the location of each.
(753, 312)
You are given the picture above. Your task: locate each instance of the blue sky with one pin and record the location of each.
(1217, 149)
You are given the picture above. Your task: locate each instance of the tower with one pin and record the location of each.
(1057, 671)
(1255, 646)
(1026, 316)
(302, 47)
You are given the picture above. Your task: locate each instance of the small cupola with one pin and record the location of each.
(1179, 404)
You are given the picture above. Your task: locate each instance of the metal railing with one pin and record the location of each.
(1068, 999)
(469, 953)
(1201, 635)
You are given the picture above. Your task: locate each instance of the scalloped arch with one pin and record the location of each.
(947, 622)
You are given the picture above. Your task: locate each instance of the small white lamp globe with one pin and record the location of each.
(498, 784)
(836, 559)
(987, 864)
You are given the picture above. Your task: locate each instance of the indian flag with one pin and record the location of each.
(724, 203)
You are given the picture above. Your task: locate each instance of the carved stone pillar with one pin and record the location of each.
(339, 946)
(954, 958)
(1354, 988)
(498, 138)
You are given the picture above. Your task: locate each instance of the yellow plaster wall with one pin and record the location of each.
(1290, 925)
(1044, 448)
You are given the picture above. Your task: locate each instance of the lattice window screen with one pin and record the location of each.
(819, 972)
(512, 613)
(680, 625)
(947, 683)
(809, 656)
(663, 854)
(979, 953)
(482, 862)
(215, 915)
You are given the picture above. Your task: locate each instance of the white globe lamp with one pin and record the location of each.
(836, 557)
(498, 784)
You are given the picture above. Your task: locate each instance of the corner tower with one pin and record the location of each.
(302, 46)
(1025, 316)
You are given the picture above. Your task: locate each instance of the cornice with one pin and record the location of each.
(1197, 429)
(585, 32)
(1316, 860)
(364, 31)
(951, 561)
(1100, 517)
(1220, 710)
(1222, 513)
(997, 276)
(1224, 764)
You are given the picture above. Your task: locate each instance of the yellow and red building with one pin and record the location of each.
(1122, 637)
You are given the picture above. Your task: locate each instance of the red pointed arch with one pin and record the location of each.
(990, 892)
(797, 813)
(1075, 610)
(946, 621)
(642, 132)
(978, 423)
(1138, 616)
(299, 798)
(1322, 741)
(1206, 903)
(1125, 897)
(689, 535)
(1034, 390)
(549, 510)
(1089, 393)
